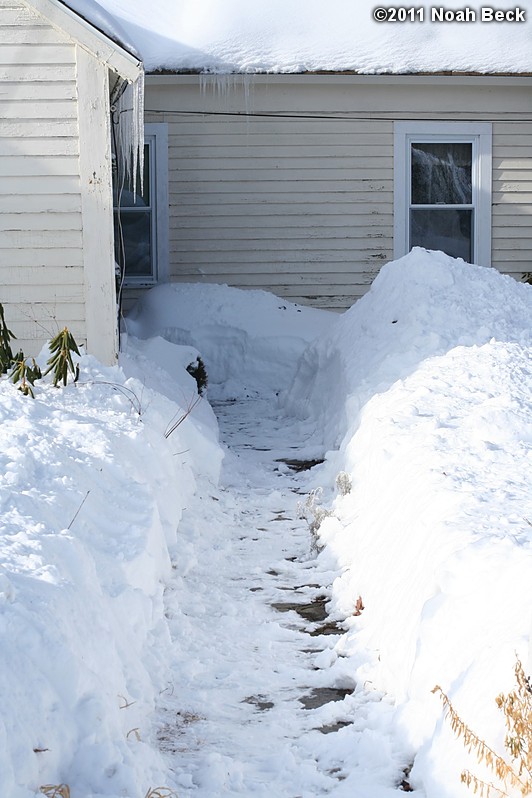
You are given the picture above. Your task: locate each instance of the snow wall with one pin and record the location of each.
(422, 394)
(92, 493)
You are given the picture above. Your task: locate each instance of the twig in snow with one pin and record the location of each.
(79, 508)
(173, 425)
(130, 395)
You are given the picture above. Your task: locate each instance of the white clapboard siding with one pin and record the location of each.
(59, 145)
(67, 257)
(38, 166)
(31, 293)
(41, 275)
(512, 197)
(40, 221)
(16, 108)
(266, 204)
(57, 90)
(36, 203)
(37, 324)
(37, 54)
(303, 205)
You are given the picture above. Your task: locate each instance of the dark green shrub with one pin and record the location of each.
(60, 361)
(25, 374)
(199, 372)
(6, 353)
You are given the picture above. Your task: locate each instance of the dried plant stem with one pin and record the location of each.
(56, 790)
(174, 424)
(79, 508)
(517, 709)
(126, 703)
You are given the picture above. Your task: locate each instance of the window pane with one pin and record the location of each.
(441, 173)
(136, 234)
(445, 229)
(140, 198)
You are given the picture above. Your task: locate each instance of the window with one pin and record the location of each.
(141, 217)
(442, 189)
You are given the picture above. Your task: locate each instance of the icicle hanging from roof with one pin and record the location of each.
(130, 133)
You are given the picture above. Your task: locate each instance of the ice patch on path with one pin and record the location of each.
(250, 341)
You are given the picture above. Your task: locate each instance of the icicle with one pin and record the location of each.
(130, 107)
(223, 84)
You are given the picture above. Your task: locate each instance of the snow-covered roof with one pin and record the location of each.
(287, 36)
(104, 21)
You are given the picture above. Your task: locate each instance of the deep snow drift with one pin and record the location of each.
(423, 387)
(250, 340)
(422, 305)
(91, 495)
(426, 386)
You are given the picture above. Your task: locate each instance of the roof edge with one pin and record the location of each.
(444, 73)
(91, 38)
(455, 78)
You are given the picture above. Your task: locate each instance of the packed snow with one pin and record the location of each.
(182, 607)
(92, 494)
(96, 15)
(249, 340)
(307, 35)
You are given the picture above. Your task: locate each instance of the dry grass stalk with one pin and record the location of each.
(63, 791)
(517, 709)
(56, 790)
(177, 420)
(126, 703)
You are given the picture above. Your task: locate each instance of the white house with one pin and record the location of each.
(294, 147)
(298, 146)
(59, 74)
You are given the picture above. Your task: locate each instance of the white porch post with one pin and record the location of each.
(97, 207)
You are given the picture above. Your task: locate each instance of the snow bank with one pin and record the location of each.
(431, 402)
(91, 495)
(250, 341)
(307, 35)
(421, 305)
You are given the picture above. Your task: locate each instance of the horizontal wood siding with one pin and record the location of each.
(512, 198)
(271, 205)
(40, 202)
(302, 204)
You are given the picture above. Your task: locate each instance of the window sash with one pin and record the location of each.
(479, 136)
(137, 275)
(430, 173)
(442, 227)
(156, 139)
(451, 245)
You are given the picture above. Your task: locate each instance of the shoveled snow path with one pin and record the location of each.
(231, 721)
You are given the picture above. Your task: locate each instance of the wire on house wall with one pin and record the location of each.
(120, 182)
(340, 116)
